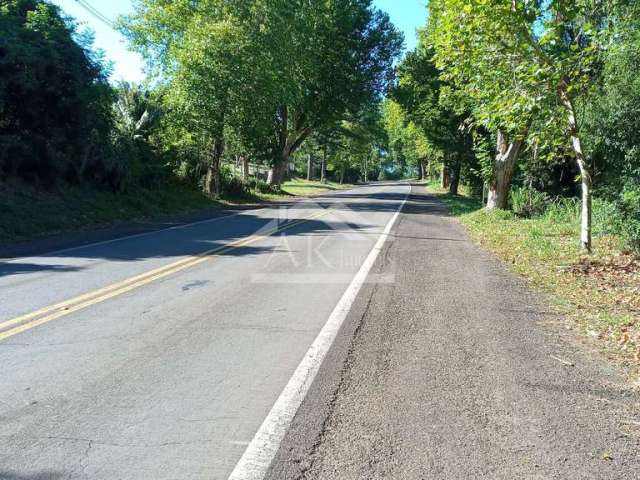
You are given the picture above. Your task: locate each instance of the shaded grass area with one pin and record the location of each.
(599, 293)
(26, 213)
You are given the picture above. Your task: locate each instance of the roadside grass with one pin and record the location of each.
(301, 187)
(598, 293)
(298, 187)
(27, 213)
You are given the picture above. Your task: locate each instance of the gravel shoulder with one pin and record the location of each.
(457, 371)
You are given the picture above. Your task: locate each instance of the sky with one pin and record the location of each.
(407, 15)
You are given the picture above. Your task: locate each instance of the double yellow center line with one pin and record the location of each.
(20, 324)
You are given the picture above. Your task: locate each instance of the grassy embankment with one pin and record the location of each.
(599, 294)
(26, 213)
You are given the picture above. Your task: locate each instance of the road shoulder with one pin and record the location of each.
(457, 371)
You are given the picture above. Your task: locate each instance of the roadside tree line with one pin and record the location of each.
(540, 92)
(228, 81)
(264, 76)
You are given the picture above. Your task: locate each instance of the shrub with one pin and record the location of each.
(563, 210)
(629, 214)
(528, 202)
(262, 187)
(233, 186)
(605, 217)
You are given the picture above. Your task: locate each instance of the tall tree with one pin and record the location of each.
(212, 54)
(427, 102)
(477, 55)
(550, 50)
(55, 102)
(330, 79)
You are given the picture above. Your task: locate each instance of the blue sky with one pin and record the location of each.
(406, 14)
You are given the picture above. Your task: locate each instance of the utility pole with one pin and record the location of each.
(323, 166)
(366, 167)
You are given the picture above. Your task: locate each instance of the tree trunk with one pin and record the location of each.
(503, 167)
(245, 167)
(290, 139)
(342, 175)
(585, 173)
(277, 171)
(212, 183)
(444, 177)
(309, 167)
(455, 178)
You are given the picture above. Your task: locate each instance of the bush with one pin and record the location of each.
(605, 217)
(629, 214)
(528, 202)
(563, 210)
(262, 187)
(55, 98)
(235, 187)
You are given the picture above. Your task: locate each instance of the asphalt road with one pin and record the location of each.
(456, 371)
(169, 375)
(141, 358)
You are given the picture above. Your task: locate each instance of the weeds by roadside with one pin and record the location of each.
(599, 293)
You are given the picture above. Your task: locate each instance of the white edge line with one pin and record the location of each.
(257, 458)
(151, 232)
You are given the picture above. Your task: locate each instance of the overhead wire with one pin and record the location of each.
(95, 13)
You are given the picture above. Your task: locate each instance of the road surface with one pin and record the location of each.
(336, 337)
(163, 363)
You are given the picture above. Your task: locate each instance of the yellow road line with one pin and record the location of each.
(61, 309)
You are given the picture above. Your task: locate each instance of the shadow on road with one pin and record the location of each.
(194, 239)
(45, 475)
(178, 243)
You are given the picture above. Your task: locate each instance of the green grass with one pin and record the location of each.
(26, 213)
(597, 293)
(301, 187)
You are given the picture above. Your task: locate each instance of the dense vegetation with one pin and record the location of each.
(543, 95)
(241, 95)
(539, 96)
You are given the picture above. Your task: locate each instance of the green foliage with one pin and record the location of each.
(628, 208)
(260, 186)
(133, 152)
(234, 187)
(55, 103)
(528, 202)
(563, 210)
(27, 212)
(263, 76)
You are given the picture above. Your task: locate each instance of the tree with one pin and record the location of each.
(407, 144)
(476, 53)
(427, 102)
(55, 102)
(212, 55)
(611, 123)
(549, 51)
(329, 79)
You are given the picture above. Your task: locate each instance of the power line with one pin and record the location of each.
(95, 13)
